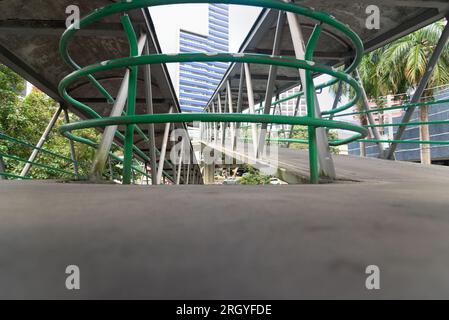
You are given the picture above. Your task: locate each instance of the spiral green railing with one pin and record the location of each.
(130, 119)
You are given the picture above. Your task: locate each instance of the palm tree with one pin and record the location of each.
(399, 66)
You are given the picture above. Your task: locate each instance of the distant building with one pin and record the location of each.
(411, 152)
(288, 107)
(198, 80)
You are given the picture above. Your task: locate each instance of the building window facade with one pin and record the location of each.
(198, 80)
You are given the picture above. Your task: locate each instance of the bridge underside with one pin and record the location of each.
(30, 32)
(230, 242)
(398, 18)
(219, 242)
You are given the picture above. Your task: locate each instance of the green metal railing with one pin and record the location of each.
(130, 120)
(338, 142)
(132, 62)
(404, 106)
(52, 168)
(46, 167)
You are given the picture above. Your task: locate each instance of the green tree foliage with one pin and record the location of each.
(254, 177)
(300, 133)
(25, 118)
(400, 65)
(11, 85)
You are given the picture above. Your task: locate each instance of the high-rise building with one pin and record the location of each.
(288, 107)
(198, 80)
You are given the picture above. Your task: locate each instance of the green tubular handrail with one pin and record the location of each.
(311, 112)
(45, 166)
(222, 57)
(132, 62)
(132, 93)
(413, 123)
(29, 145)
(15, 176)
(403, 106)
(34, 163)
(213, 117)
(37, 164)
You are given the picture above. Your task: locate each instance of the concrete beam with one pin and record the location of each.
(57, 27)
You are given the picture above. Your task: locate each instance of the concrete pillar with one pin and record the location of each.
(209, 174)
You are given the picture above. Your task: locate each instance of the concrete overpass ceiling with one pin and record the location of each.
(30, 32)
(398, 18)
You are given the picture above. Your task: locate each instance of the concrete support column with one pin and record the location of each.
(209, 174)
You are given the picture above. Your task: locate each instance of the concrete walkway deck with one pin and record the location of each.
(231, 242)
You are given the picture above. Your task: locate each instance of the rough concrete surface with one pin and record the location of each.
(228, 242)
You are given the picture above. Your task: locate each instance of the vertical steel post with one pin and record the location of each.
(225, 124)
(250, 92)
(51, 124)
(178, 175)
(295, 113)
(322, 143)
(72, 146)
(160, 168)
(188, 173)
(220, 110)
(150, 110)
(239, 104)
(389, 154)
(271, 80)
(231, 110)
(215, 125)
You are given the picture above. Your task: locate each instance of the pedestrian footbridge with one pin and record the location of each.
(179, 236)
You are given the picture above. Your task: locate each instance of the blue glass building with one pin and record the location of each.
(198, 80)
